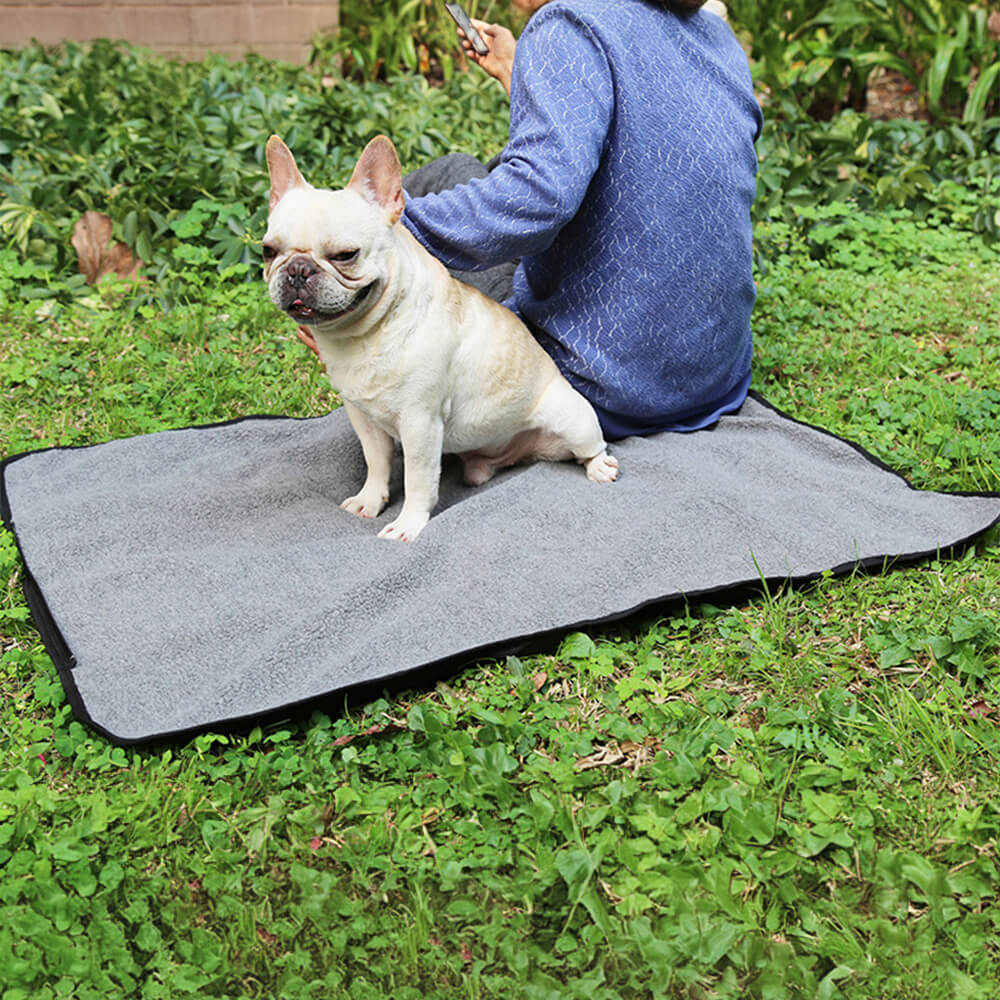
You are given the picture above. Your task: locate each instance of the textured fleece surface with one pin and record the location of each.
(190, 578)
(625, 189)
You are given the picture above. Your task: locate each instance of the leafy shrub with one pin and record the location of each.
(376, 41)
(818, 56)
(160, 144)
(942, 173)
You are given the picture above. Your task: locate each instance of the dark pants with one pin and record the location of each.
(447, 172)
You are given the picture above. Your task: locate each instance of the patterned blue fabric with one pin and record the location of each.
(625, 188)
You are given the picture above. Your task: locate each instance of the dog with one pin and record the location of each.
(416, 355)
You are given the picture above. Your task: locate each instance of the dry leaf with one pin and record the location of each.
(373, 730)
(604, 757)
(626, 754)
(980, 710)
(91, 240)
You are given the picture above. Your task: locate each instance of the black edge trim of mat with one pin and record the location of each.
(410, 678)
(52, 638)
(869, 457)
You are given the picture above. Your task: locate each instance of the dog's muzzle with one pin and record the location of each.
(298, 297)
(299, 270)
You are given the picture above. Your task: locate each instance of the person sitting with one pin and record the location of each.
(618, 214)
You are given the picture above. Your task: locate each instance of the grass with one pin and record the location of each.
(883, 345)
(793, 795)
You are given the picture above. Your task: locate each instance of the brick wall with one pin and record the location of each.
(280, 29)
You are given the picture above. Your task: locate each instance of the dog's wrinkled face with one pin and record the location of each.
(326, 252)
(321, 259)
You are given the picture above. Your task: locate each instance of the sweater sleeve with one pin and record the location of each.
(562, 101)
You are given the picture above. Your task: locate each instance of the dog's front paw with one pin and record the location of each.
(405, 528)
(365, 504)
(602, 468)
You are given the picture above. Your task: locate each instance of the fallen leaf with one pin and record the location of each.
(376, 730)
(91, 235)
(627, 754)
(604, 757)
(980, 710)
(95, 255)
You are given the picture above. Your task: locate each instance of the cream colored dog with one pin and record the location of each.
(416, 356)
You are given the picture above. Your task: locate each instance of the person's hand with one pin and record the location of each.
(307, 338)
(499, 61)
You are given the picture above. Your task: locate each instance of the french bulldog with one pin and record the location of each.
(416, 355)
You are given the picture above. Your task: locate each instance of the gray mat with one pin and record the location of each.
(202, 577)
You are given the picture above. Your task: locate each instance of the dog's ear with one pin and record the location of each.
(379, 178)
(284, 173)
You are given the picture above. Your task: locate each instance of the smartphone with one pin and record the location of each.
(461, 18)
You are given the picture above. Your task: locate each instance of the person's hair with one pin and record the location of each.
(681, 7)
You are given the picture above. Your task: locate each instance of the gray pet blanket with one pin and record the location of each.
(206, 577)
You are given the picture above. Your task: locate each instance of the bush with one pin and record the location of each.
(174, 151)
(941, 173)
(377, 41)
(817, 57)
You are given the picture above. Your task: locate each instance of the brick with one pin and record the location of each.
(28, 6)
(291, 52)
(213, 25)
(291, 23)
(314, 18)
(51, 25)
(278, 29)
(159, 25)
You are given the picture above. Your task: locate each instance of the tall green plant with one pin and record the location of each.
(417, 36)
(792, 66)
(944, 47)
(818, 57)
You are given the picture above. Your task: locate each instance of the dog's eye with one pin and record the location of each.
(269, 252)
(343, 257)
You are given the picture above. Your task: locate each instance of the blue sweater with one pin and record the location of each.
(625, 189)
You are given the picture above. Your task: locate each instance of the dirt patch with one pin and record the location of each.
(891, 95)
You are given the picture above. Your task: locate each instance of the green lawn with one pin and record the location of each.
(793, 795)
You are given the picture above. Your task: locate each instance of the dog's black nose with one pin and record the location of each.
(300, 269)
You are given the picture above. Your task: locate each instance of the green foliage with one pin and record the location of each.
(159, 144)
(944, 175)
(818, 57)
(415, 36)
(173, 153)
(786, 66)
